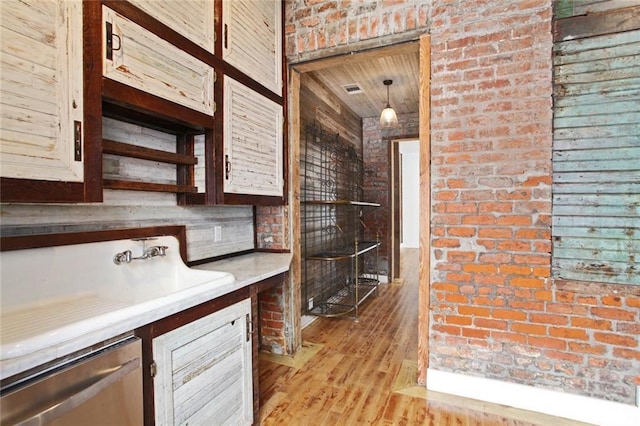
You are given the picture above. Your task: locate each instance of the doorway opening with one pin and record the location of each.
(306, 86)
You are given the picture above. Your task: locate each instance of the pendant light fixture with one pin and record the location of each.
(388, 118)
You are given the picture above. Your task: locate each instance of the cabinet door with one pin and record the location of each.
(204, 370)
(41, 112)
(194, 19)
(252, 142)
(142, 60)
(252, 39)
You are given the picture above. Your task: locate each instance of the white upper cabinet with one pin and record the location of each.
(252, 142)
(204, 370)
(252, 39)
(140, 59)
(193, 19)
(41, 113)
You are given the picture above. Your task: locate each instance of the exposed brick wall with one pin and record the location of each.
(312, 25)
(377, 184)
(272, 227)
(272, 232)
(272, 323)
(495, 310)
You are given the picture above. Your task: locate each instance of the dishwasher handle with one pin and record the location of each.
(107, 378)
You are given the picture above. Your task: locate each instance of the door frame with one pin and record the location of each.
(292, 309)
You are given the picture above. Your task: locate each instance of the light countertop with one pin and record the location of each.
(103, 323)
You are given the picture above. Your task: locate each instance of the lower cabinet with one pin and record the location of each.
(203, 370)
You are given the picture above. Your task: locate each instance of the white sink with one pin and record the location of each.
(54, 294)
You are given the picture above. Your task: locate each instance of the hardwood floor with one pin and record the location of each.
(363, 372)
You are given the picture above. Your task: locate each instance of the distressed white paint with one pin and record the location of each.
(596, 158)
(149, 63)
(40, 88)
(252, 141)
(252, 39)
(193, 19)
(204, 370)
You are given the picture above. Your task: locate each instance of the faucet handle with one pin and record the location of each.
(162, 250)
(124, 257)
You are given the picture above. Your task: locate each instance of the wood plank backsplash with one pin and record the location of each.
(133, 209)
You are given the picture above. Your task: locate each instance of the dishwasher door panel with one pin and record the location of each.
(102, 389)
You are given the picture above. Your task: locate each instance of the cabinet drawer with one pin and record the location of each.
(141, 59)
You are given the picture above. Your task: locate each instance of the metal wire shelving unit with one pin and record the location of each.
(340, 254)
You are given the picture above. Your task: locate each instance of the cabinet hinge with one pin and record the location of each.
(153, 369)
(249, 327)
(77, 140)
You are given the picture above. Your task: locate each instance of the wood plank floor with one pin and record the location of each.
(363, 372)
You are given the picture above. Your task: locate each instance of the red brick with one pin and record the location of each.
(478, 220)
(514, 220)
(456, 298)
(547, 342)
(549, 319)
(591, 323)
(480, 268)
(453, 319)
(615, 339)
(515, 270)
(508, 337)
(461, 256)
(612, 313)
(568, 333)
(627, 354)
(490, 323)
(509, 314)
(612, 301)
(445, 242)
(527, 328)
(475, 333)
(495, 233)
(489, 301)
(474, 310)
(587, 348)
(527, 282)
(459, 277)
(565, 356)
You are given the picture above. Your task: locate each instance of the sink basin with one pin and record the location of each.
(53, 294)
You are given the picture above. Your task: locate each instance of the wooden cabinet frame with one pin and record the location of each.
(107, 98)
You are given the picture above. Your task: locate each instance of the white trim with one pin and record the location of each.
(555, 403)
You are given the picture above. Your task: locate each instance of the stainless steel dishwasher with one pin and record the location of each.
(103, 387)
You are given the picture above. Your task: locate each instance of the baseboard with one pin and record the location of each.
(560, 404)
(306, 320)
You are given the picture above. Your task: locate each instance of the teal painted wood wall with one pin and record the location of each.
(596, 152)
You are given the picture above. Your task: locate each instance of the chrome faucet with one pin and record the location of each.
(147, 253)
